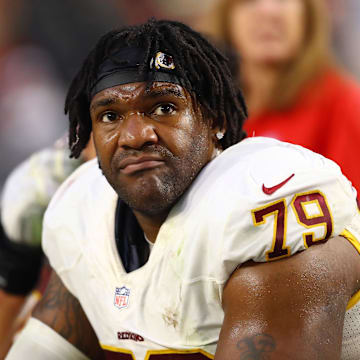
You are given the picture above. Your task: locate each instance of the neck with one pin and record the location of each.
(151, 224)
(259, 81)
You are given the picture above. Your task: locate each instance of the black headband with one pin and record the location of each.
(122, 67)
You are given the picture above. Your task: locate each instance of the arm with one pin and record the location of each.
(19, 270)
(62, 312)
(10, 306)
(292, 308)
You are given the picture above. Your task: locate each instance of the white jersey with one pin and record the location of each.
(29, 188)
(259, 200)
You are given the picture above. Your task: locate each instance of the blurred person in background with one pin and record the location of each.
(23, 270)
(294, 89)
(41, 46)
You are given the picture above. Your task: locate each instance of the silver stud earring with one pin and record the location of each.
(219, 135)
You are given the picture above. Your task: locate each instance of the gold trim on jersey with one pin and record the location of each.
(157, 352)
(352, 238)
(36, 294)
(118, 350)
(353, 301)
(355, 242)
(164, 352)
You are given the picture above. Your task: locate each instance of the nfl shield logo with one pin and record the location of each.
(121, 299)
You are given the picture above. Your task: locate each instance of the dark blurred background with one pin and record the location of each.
(43, 42)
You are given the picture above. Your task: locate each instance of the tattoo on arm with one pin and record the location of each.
(60, 310)
(257, 347)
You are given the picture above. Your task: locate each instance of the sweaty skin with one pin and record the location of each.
(292, 308)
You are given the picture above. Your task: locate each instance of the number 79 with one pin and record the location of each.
(278, 210)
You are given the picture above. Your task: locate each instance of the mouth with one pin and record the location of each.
(269, 35)
(132, 165)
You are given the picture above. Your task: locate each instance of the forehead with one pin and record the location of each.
(133, 91)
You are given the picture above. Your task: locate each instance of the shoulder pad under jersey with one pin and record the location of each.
(84, 203)
(260, 200)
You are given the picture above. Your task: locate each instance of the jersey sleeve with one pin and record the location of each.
(289, 200)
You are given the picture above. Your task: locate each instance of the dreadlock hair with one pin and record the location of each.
(203, 71)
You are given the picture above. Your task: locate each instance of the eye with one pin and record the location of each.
(164, 109)
(108, 117)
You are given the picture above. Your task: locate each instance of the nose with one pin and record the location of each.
(136, 130)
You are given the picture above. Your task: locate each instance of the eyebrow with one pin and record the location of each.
(153, 93)
(103, 102)
(149, 93)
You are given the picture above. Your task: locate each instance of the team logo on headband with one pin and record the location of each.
(162, 61)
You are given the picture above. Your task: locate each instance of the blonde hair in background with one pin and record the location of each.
(312, 58)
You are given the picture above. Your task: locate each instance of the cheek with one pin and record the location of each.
(296, 27)
(183, 132)
(192, 139)
(177, 140)
(240, 26)
(109, 138)
(105, 143)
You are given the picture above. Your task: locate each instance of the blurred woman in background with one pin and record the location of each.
(293, 87)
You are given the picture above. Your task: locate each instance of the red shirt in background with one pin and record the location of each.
(325, 119)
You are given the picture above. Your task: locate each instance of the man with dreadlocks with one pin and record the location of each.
(168, 250)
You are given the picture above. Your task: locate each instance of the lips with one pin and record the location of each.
(131, 165)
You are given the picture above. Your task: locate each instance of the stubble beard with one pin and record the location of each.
(158, 193)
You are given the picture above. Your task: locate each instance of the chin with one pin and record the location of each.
(150, 204)
(151, 196)
(269, 52)
(272, 58)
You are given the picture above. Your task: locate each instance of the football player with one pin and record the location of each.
(190, 241)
